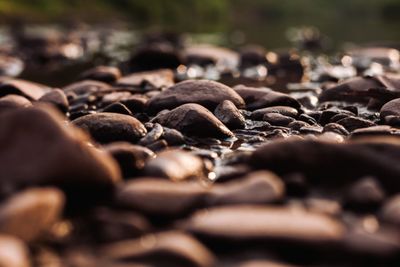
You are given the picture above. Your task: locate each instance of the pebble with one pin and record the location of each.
(29, 213)
(175, 247)
(110, 127)
(203, 92)
(257, 98)
(228, 114)
(105, 74)
(13, 252)
(176, 165)
(194, 120)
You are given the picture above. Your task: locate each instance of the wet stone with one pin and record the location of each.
(228, 114)
(152, 136)
(193, 120)
(203, 92)
(110, 127)
(176, 165)
(131, 158)
(86, 87)
(336, 128)
(148, 80)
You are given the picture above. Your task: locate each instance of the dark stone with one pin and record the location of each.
(105, 74)
(117, 108)
(111, 127)
(229, 115)
(13, 102)
(172, 248)
(286, 111)
(30, 90)
(257, 98)
(57, 98)
(354, 123)
(38, 148)
(193, 120)
(176, 165)
(131, 158)
(277, 119)
(203, 92)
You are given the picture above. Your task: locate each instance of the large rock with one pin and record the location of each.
(39, 148)
(194, 120)
(109, 127)
(206, 93)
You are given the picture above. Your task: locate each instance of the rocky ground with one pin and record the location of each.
(204, 156)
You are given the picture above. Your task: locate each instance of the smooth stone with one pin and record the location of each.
(13, 252)
(229, 115)
(286, 111)
(57, 98)
(358, 89)
(86, 87)
(254, 188)
(336, 128)
(155, 196)
(13, 102)
(257, 98)
(376, 130)
(337, 163)
(110, 127)
(203, 92)
(390, 211)
(365, 193)
(176, 165)
(205, 54)
(33, 139)
(110, 225)
(171, 248)
(353, 123)
(117, 107)
(244, 223)
(193, 120)
(277, 119)
(135, 103)
(391, 108)
(30, 90)
(173, 137)
(29, 213)
(105, 74)
(156, 79)
(131, 158)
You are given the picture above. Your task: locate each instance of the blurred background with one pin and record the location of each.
(94, 32)
(260, 21)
